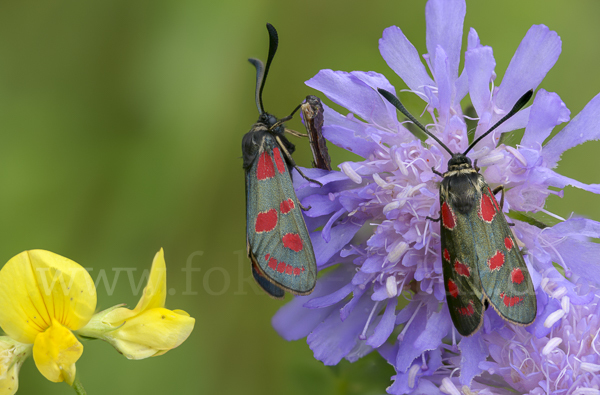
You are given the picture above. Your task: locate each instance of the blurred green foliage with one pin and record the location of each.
(121, 131)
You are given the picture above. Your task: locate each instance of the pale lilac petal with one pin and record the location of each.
(402, 57)
(438, 326)
(333, 339)
(584, 127)
(535, 56)
(445, 29)
(424, 387)
(320, 205)
(473, 350)
(357, 92)
(550, 177)
(386, 326)
(349, 307)
(402, 381)
(444, 82)
(293, 322)
(408, 351)
(480, 64)
(547, 111)
(341, 235)
(328, 300)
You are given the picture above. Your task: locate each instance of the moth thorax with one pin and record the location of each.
(459, 162)
(270, 120)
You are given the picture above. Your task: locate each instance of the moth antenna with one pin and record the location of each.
(516, 108)
(261, 70)
(396, 103)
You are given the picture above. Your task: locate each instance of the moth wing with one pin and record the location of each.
(461, 277)
(502, 269)
(277, 235)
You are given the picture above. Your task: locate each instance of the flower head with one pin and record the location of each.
(396, 259)
(44, 297)
(149, 329)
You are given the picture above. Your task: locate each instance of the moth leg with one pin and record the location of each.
(495, 191)
(436, 172)
(291, 160)
(294, 133)
(475, 166)
(498, 189)
(304, 208)
(434, 219)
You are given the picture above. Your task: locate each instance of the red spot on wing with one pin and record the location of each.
(510, 301)
(292, 241)
(494, 200)
(448, 218)
(297, 271)
(516, 276)
(266, 221)
(278, 160)
(468, 311)
(273, 263)
(289, 269)
(265, 167)
(487, 211)
(281, 267)
(446, 255)
(453, 289)
(496, 262)
(286, 206)
(267, 257)
(462, 269)
(508, 243)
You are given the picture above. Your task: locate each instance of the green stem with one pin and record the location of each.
(78, 387)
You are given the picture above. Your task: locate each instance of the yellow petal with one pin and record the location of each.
(154, 295)
(55, 352)
(153, 332)
(9, 383)
(155, 292)
(37, 286)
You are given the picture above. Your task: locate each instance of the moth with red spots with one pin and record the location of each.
(278, 242)
(481, 261)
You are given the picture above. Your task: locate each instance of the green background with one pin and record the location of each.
(121, 125)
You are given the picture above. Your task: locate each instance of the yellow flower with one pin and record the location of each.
(44, 297)
(12, 356)
(149, 329)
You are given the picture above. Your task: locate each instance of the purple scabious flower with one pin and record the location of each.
(369, 223)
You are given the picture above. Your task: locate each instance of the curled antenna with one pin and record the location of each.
(261, 70)
(516, 108)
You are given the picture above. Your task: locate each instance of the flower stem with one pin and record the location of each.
(78, 387)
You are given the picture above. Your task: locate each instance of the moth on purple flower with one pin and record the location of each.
(481, 262)
(278, 242)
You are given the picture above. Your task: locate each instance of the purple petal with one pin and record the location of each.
(535, 56)
(547, 111)
(357, 92)
(570, 251)
(445, 29)
(480, 64)
(424, 387)
(386, 325)
(585, 126)
(332, 298)
(474, 351)
(333, 339)
(326, 233)
(550, 177)
(444, 83)
(438, 326)
(537, 328)
(349, 307)
(408, 351)
(341, 235)
(320, 205)
(294, 322)
(403, 58)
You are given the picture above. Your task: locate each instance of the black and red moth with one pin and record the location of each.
(481, 261)
(278, 242)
